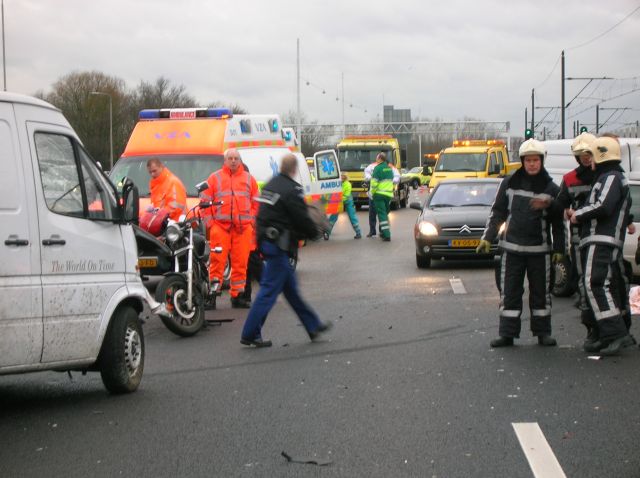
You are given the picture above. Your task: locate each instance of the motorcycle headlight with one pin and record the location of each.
(173, 233)
(428, 229)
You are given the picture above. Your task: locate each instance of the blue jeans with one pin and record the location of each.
(278, 276)
(373, 218)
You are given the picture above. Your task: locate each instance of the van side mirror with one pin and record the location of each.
(203, 186)
(416, 205)
(427, 170)
(129, 201)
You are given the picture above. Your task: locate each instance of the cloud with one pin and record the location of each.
(441, 59)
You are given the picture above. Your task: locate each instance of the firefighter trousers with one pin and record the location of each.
(513, 268)
(605, 288)
(235, 243)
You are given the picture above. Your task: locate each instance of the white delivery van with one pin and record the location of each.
(70, 293)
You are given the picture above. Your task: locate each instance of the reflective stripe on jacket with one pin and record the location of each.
(237, 191)
(167, 192)
(382, 180)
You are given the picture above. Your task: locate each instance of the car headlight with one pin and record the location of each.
(173, 233)
(503, 227)
(428, 229)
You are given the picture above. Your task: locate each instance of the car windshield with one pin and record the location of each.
(417, 170)
(358, 159)
(452, 162)
(463, 194)
(191, 169)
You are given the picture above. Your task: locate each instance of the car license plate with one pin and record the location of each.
(464, 242)
(147, 262)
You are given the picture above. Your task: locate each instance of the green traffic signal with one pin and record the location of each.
(583, 129)
(528, 133)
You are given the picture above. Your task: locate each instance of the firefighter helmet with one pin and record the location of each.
(605, 149)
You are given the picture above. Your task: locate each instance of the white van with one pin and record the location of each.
(560, 160)
(70, 293)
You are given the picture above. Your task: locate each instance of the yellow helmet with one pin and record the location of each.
(605, 149)
(532, 146)
(582, 143)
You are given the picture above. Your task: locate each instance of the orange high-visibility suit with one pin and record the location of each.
(168, 192)
(231, 224)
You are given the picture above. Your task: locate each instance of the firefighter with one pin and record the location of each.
(231, 224)
(382, 193)
(574, 193)
(603, 224)
(166, 190)
(524, 203)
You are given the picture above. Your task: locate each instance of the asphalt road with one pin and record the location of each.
(404, 385)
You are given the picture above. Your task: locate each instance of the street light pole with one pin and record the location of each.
(110, 125)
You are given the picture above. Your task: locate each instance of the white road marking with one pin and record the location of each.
(542, 461)
(457, 286)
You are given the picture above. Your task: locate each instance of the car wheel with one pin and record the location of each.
(121, 359)
(423, 262)
(562, 284)
(415, 184)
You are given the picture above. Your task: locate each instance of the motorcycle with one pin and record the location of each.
(183, 259)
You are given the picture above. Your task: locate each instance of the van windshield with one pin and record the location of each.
(190, 168)
(452, 162)
(357, 159)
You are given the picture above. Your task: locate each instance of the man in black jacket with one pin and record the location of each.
(603, 223)
(524, 204)
(282, 221)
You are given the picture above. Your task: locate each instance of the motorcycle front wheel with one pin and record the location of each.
(184, 321)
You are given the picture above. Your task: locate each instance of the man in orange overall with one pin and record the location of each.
(166, 190)
(231, 223)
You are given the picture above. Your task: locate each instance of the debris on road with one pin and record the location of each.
(306, 461)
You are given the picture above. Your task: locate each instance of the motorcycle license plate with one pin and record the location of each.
(147, 262)
(464, 242)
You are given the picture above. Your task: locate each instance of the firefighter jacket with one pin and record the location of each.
(282, 208)
(238, 192)
(527, 231)
(167, 192)
(605, 216)
(574, 193)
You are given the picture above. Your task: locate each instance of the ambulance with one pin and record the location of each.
(191, 142)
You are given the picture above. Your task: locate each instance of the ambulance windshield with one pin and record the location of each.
(191, 169)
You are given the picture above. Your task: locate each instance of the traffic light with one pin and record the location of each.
(528, 133)
(583, 129)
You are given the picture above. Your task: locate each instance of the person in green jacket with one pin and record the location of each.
(382, 192)
(349, 206)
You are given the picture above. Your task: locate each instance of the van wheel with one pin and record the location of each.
(561, 279)
(185, 322)
(121, 359)
(415, 184)
(226, 281)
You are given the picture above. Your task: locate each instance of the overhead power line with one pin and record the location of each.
(604, 32)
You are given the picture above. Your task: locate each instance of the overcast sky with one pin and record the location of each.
(445, 59)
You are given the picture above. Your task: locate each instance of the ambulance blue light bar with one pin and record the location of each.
(185, 113)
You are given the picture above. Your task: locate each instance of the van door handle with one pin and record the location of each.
(54, 240)
(13, 240)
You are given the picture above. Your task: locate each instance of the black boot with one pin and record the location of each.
(240, 302)
(547, 341)
(614, 347)
(592, 336)
(502, 342)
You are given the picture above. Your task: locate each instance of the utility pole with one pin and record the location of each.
(562, 94)
(298, 115)
(526, 118)
(533, 109)
(4, 54)
(100, 93)
(597, 119)
(344, 129)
